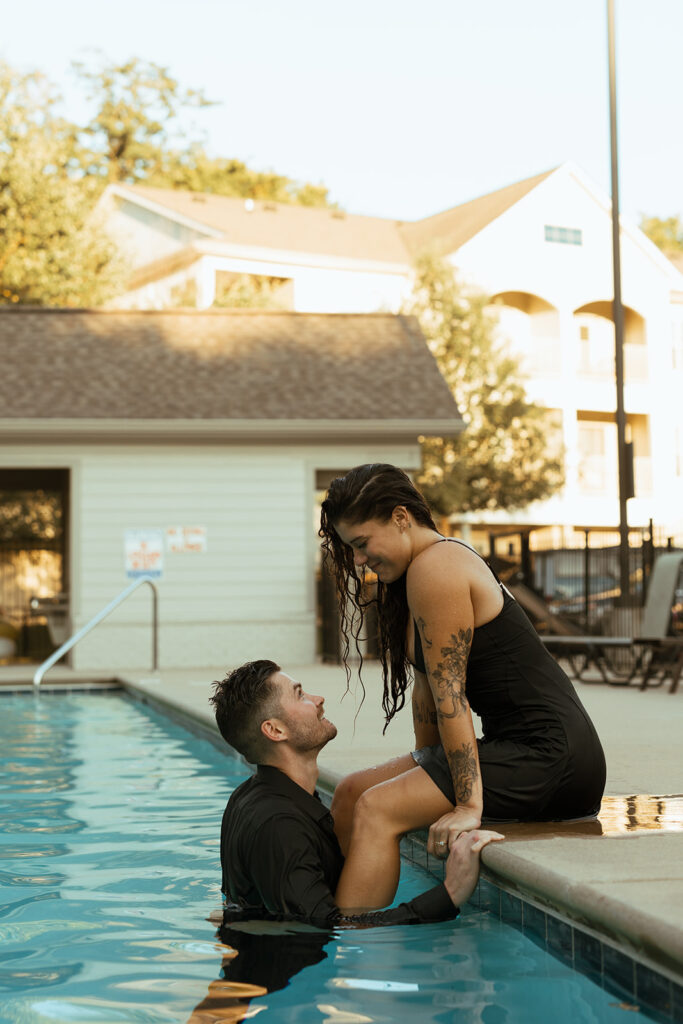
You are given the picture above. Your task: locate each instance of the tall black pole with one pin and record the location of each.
(618, 317)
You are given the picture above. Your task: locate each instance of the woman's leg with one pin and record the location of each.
(353, 786)
(382, 815)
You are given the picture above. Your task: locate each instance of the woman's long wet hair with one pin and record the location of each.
(371, 492)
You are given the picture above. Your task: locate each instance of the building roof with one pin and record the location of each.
(284, 226)
(290, 227)
(241, 368)
(447, 231)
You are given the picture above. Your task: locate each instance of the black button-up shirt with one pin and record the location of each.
(279, 853)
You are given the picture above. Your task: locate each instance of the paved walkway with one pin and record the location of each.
(625, 883)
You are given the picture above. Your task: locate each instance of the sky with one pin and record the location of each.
(401, 108)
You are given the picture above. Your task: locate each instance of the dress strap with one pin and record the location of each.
(456, 540)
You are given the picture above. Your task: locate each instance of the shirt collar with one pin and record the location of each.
(279, 782)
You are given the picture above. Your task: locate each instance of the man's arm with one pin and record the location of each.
(288, 874)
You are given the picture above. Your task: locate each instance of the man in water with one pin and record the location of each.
(279, 853)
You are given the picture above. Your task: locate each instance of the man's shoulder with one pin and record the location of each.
(258, 802)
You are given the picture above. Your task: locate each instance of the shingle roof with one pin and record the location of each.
(245, 365)
(445, 232)
(282, 225)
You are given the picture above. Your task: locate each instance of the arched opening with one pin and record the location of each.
(532, 327)
(596, 340)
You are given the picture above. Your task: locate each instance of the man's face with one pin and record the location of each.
(302, 715)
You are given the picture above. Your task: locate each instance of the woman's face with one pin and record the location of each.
(383, 546)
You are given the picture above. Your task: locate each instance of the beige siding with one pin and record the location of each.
(250, 595)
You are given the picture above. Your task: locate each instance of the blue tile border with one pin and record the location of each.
(631, 981)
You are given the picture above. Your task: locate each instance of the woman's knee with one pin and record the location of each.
(347, 793)
(374, 812)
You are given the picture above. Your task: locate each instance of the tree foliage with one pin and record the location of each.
(666, 233)
(506, 456)
(31, 516)
(194, 170)
(137, 134)
(137, 106)
(53, 252)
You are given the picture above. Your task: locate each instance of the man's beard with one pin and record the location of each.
(305, 738)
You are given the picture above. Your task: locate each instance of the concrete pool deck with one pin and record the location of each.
(622, 880)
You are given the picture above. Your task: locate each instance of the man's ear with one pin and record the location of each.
(273, 730)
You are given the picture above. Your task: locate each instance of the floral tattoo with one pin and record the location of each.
(463, 765)
(448, 678)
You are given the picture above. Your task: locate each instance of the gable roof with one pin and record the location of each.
(232, 371)
(284, 226)
(290, 227)
(448, 230)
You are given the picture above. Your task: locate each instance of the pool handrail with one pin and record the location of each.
(95, 621)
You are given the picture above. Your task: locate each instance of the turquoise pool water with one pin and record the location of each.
(109, 867)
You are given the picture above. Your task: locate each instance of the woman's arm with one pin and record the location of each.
(441, 603)
(424, 713)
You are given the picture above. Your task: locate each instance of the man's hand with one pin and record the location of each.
(462, 867)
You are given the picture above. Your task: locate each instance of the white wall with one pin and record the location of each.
(512, 255)
(145, 235)
(252, 594)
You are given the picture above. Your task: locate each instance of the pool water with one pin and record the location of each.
(110, 865)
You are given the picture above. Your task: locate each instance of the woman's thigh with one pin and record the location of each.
(407, 801)
(357, 782)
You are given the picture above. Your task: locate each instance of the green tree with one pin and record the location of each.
(666, 233)
(137, 134)
(506, 457)
(194, 170)
(137, 107)
(53, 252)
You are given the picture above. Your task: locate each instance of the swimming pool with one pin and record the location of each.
(109, 866)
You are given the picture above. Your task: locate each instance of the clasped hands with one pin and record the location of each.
(444, 832)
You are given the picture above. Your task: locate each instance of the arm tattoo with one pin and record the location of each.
(449, 676)
(422, 626)
(463, 765)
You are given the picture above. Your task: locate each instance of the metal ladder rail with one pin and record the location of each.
(95, 621)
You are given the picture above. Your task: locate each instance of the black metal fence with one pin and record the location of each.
(582, 584)
(577, 586)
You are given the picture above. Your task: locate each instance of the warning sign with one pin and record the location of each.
(183, 539)
(144, 553)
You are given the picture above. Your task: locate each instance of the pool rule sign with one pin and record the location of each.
(144, 553)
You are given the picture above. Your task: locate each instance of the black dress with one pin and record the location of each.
(540, 756)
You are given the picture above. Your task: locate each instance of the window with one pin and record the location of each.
(584, 334)
(565, 236)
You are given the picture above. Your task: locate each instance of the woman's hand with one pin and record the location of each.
(444, 832)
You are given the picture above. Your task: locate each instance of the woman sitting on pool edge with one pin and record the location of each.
(442, 610)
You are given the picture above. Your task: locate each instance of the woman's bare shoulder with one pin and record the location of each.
(441, 565)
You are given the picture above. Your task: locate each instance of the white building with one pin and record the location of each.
(198, 443)
(541, 248)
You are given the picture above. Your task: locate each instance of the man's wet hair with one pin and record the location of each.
(242, 701)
